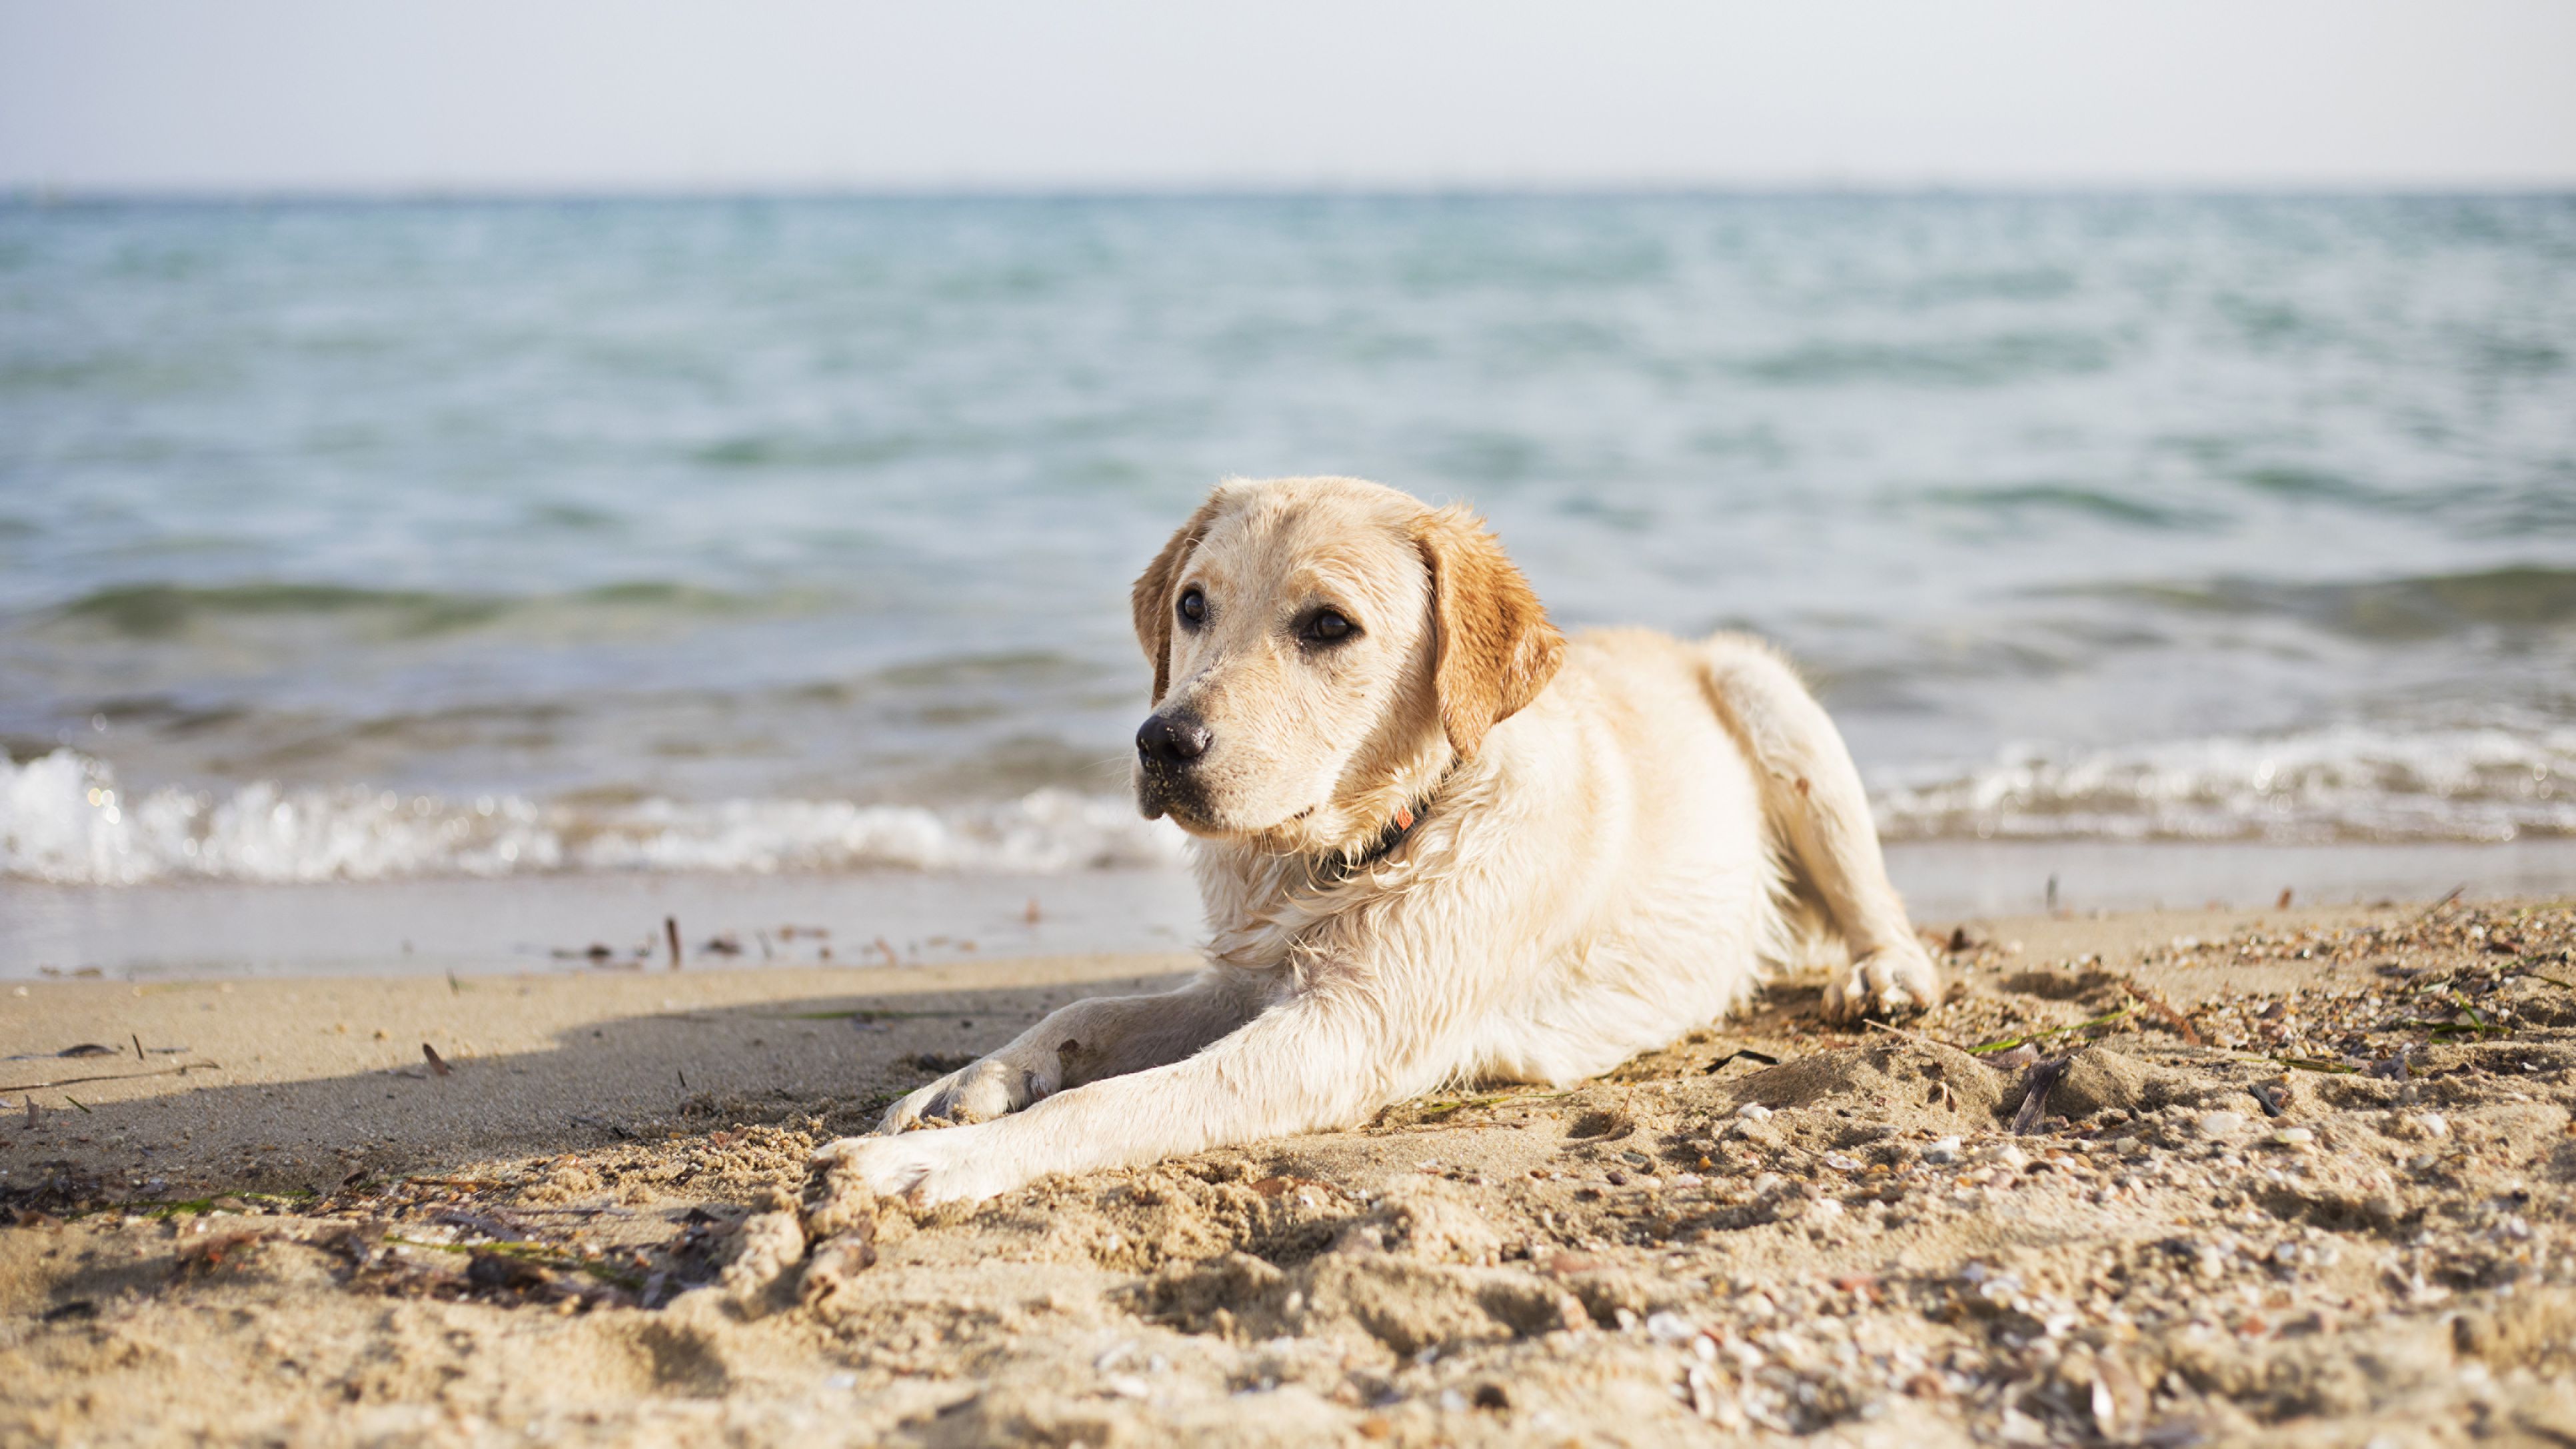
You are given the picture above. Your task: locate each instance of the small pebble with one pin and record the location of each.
(2221, 1124)
(1752, 1111)
(2294, 1137)
(1670, 1328)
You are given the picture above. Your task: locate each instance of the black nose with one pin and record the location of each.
(1172, 739)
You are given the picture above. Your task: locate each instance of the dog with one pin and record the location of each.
(1438, 842)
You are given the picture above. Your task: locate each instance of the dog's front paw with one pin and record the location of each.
(993, 1087)
(1885, 983)
(923, 1167)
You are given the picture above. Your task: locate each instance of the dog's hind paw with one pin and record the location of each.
(1895, 981)
(993, 1087)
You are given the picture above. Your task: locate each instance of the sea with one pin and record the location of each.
(366, 541)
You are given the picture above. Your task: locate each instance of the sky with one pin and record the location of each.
(732, 95)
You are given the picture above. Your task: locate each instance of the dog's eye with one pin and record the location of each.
(1327, 627)
(1193, 607)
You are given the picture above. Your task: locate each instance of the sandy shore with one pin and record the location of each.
(183, 930)
(2302, 1178)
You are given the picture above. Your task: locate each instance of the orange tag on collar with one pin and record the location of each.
(1404, 817)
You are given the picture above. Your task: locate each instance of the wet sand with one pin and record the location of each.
(2276, 1176)
(194, 929)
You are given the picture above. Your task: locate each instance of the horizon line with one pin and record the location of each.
(42, 194)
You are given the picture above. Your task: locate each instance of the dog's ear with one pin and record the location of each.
(1152, 596)
(1495, 648)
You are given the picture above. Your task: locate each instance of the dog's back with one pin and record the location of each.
(1683, 898)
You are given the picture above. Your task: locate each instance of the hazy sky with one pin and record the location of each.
(637, 94)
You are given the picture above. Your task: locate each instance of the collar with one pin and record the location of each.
(1391, 837)
(1397, 828)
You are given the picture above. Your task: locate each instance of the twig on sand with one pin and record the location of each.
(1740, 1054)
(2457, 891)
(2477, 1024)
(1450, 1108)
(1875, 1023)
(496, 1225)
(180, 1070)
(1444, 1109)
(2163, 1011)
(543, 1257)
(2044, 1033)
(864, 1013)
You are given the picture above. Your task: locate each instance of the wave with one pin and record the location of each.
(2524, 598)
(2074, 500)
(63, 820)
(2351, 784)
(161, 610)
(1959, 362)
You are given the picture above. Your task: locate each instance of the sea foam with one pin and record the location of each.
(64, 819)
(2349, 784)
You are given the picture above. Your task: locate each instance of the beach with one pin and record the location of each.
(521, 717)
(2288, 1176)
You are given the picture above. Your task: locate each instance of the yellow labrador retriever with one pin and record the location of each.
(1438, 843)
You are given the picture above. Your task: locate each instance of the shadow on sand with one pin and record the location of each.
(826, 1063)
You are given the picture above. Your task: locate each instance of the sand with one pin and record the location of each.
(2279, 1177)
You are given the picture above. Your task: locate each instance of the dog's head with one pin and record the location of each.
(1323, 649)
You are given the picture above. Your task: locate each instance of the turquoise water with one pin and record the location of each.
(383, 539)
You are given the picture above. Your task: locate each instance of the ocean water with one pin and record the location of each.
(368, 541)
